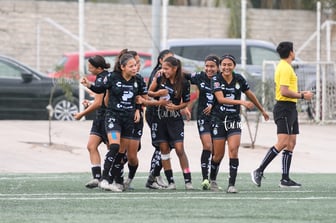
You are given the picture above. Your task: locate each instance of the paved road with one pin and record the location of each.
(25, 148)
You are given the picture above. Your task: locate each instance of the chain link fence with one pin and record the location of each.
(318, 77)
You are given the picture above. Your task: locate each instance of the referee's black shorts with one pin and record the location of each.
(286, 117)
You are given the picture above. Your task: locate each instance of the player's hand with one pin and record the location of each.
(77, 116)
(207, 110)
(266, 116)
(307, 95)
(186, 113)
(85, 82)
(248, 104)
(137, 116)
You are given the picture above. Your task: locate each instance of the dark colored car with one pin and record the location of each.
(26, 93)
(67, 65)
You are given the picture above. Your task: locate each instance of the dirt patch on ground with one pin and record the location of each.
(53, 146)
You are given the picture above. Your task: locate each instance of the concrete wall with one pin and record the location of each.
(114, 26)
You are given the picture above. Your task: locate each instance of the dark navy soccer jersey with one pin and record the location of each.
(185, 96)
(230, 90)
(152, 75)
(122, 93)
(205, 98)
(100, 112)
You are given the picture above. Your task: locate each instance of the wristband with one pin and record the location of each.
(302, 95)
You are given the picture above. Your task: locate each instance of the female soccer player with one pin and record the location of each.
(227, 87)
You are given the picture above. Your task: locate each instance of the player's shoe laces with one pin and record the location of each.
(92, 183)
(205, 185)
(214, 186)
(105, 185)
(160, 181)
(289, 184)
(189, 186)
(171, 186)
(256, 177)
(231, 190)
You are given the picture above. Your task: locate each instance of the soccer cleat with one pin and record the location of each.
(231, 190)
(256, 177)
(214, 186)
(120, 186)
(159, 180)
(127, 184)
(171, 186)
(205, 185)
(289, 184)
(92, 183)
(189, 186)
(153, 185)
(104, 184)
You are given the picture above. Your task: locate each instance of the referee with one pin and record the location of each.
(285, 116)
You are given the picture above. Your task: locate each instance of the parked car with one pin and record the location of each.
(67, 65)
(25, 93)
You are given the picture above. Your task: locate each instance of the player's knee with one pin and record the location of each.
(165, 156)
(113, 150)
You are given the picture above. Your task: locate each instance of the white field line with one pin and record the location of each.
(161, 197)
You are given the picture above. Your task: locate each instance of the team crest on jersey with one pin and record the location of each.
(216, 84)
(110, 125)
(136, 84)
(215, 131)
(153, 135)
(237, 86)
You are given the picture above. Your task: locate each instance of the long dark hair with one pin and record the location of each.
(99, 61)
(179, 78)
(123, 57)
(162, 54)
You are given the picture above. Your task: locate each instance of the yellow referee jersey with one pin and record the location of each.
(285, 75)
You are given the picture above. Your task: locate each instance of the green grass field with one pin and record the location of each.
(63, 198)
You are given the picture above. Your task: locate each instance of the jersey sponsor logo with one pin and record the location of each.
(139, 133)
(118, 84)
(231, 124)
(164, 113)
(209, 96)
(127, 95)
